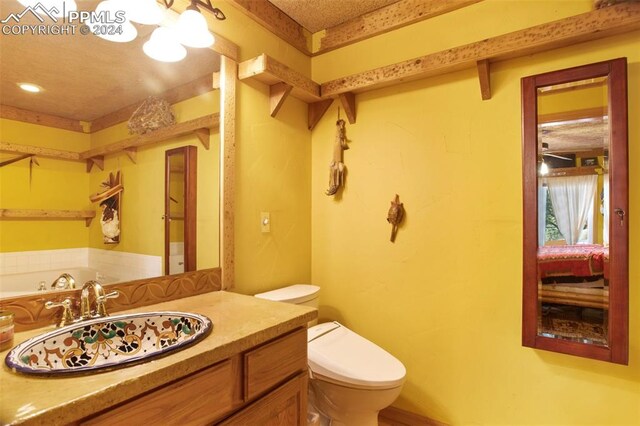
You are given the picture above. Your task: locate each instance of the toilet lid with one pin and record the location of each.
(296, 293)
(346, 357)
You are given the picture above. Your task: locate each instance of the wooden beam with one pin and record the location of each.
(26, 116)
(45, 214)
(269, 71)
(316, 110)
(277, 94)
(97, 160)
(193, 88)
(484, 75)
(203, 135)
(577, 114)
(588, 26)
(39, 151)
(383, 20)
(211, 121)
(348, 101)
(276, 21)
(228, 78)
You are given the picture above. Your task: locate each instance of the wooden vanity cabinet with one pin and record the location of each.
(266, 385)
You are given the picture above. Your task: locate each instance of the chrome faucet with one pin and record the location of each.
(100, 300)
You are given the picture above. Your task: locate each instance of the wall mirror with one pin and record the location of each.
(575, 188)
(180, 207)
(86, 79)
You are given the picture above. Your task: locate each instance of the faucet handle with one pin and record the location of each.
(101, 302)
(67, 314)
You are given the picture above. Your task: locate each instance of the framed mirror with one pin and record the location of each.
(90, 89)
(180, 201)
(575, 212)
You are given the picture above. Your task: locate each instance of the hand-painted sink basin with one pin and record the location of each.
(107, 343)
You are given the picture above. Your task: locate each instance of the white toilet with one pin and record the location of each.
(351, 378)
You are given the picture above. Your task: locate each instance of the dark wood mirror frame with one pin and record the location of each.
(189, 155)
(618, 339)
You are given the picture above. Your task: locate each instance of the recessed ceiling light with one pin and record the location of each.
(29, 87)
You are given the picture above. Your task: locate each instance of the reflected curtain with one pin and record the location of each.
(572, 199)
(542, 213)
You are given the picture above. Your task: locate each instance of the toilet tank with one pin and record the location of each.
(298, 294)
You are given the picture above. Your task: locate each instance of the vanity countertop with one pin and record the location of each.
(239, 323)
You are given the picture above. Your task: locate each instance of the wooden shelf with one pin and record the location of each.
(565, 32)
(282, 82)
(200, 126)
(87, 215)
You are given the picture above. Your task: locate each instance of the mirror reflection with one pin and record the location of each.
(573, 211)
(84, 105)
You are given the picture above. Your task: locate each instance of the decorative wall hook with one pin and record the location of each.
(395, 216)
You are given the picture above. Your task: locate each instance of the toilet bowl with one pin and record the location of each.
(351, 378)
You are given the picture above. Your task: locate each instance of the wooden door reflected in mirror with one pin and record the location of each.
(180, 210)
(575, 186)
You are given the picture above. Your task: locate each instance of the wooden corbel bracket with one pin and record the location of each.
(98, 161)
(484, 75)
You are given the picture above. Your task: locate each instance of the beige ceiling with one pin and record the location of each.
(85, 77)
(316, 15)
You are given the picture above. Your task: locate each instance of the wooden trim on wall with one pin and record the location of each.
(383, 20)
(30, 313)
(188, 90)
(392, 416)
(228, 81)
(26, 116)
(573, 115)
(588, 26)
(276, 21)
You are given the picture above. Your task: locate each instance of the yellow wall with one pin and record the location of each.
(142, 227)
(54, 184)
(273, 167)
(446, 297)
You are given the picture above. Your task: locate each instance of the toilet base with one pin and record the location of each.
(348, 406)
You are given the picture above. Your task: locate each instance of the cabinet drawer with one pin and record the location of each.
(273, 363)
(197, 399)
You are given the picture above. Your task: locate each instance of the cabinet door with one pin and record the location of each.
(285, 406)
(195, 400)
(271, 364)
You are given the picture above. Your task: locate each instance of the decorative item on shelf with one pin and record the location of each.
(395, 216)
(337, 168)
(109, 200)
(153, 114)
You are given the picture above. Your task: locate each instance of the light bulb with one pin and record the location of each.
(162, 46)
(192, 30)
(30, 87)
(544, 169)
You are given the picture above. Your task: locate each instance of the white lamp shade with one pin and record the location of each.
(62, 7)
(146, 12)
(162, 46)
(192, 30)
(120, 33)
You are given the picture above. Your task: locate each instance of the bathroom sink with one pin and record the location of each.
(107, 343)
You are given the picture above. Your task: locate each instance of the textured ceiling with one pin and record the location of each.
(316, 15)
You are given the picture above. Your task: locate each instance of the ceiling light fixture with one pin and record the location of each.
(162, 46)
(544, 169)
(30, 87)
